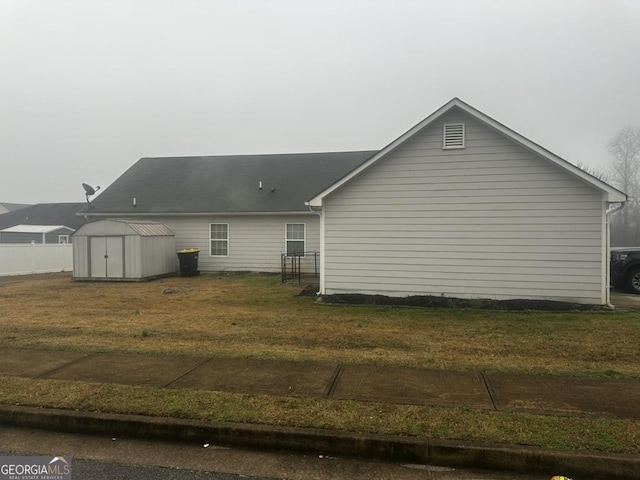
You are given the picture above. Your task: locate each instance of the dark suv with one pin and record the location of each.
(625, 268)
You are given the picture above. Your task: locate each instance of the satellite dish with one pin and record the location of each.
(89, 190)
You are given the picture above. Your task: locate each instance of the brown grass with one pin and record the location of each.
(256, 316)
(564, 433)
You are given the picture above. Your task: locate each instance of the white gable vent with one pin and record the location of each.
(453, 135)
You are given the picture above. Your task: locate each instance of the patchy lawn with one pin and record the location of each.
(256, 316)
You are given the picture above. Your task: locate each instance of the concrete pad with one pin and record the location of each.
(128, 369)
(33, 363)
(568, 395)
(624, 300)
(269, 377)
(413, 386)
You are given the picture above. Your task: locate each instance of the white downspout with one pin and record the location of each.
(319, 213)
(608, 250)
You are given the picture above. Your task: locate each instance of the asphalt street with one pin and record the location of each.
(103, 458)
(93, 470)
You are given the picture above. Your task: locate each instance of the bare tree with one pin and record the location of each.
(600, 173)
(624, 149)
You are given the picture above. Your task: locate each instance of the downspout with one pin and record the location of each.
(608, 250)
(319, 213)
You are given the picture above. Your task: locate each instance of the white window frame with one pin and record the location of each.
(211, 254)
(287, 239)
(63, 237)
(445, 146)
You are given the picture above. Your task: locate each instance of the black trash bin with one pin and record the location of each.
(188, 262)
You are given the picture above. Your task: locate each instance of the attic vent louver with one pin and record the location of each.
(453, 135)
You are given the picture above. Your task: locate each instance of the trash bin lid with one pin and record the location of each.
(189, 250)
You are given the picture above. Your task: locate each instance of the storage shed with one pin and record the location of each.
(123, 250)
(36, 234)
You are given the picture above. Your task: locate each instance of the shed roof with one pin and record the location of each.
(34, 228)
(118, 226)
(148, 229)
(224, 184)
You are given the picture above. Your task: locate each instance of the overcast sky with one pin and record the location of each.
(88, 87)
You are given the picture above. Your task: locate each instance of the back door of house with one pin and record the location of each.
(107, 257)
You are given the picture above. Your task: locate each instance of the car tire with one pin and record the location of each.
(633, 281)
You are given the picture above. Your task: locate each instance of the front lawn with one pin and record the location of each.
(256, 316)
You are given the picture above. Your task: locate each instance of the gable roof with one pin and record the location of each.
(10, 207)
(612, 194)
(224, 184)
(45, 214)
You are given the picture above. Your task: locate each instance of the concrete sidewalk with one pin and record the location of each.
(568, 396)
(619, 398)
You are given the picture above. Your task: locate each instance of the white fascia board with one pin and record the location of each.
(193, 214)
(613, 195)
(317, 200)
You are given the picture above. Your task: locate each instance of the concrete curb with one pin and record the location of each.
(378, 447)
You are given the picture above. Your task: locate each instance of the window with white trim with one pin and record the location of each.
(219, 239)
(295, 239)
(63, 238)
(453, 135)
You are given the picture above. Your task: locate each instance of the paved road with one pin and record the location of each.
(94, 470)
(101, 458)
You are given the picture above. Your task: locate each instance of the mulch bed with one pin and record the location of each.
(448, 302)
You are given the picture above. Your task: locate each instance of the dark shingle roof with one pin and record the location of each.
(225, 184)
(13, 206)
(45, 214)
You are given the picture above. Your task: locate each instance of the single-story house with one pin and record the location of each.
(36, 234)
(65, 213)
(9, 207)
(242, 212)
(460, 205)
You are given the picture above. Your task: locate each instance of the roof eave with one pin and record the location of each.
(190, 214)
(612, 194)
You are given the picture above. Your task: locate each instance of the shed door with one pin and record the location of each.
(107, 257)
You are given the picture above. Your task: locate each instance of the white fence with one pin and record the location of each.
(24, 259)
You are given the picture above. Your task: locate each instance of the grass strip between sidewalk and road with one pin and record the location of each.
(556, 432)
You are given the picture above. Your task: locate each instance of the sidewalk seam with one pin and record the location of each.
(73, 362)
(206, 360)
(490, 391)
(333, 385)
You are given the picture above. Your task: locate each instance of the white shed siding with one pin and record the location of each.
(136, 250)
(255, 241)
(492, 220)
(157, 255)
(80, 256)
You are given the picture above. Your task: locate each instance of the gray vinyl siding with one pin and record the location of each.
(20, 237)
(256, 242)
(492, 220)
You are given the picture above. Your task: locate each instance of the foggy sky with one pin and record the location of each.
(88, 87)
